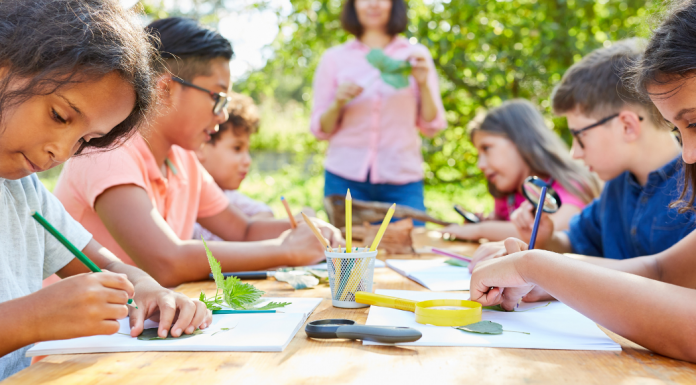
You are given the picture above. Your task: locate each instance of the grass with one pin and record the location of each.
(288, 162)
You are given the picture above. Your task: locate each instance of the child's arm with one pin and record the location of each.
(83, 305)
(153, 300)
(653, 314)
(492, 230)
(141, 231)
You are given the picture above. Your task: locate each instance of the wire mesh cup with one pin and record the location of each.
(349, 273)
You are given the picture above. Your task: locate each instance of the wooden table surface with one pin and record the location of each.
(307, 361)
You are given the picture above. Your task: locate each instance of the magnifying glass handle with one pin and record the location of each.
(384, 334)
(537, 218)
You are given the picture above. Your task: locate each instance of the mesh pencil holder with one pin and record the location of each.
(349, 273)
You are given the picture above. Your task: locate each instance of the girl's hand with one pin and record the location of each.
(523, 219)
(81, 305)
(347, 92)
(419, 69)
(167, 307)
(485, 252)
(499, 281)
(465, 232)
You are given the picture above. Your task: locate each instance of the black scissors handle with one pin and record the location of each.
(340, 328)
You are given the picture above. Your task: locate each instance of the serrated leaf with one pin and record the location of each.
(214, 266)
(457, 262)
(240, 295)
(272, 305)
(151, 335)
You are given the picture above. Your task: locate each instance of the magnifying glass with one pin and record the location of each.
(467, 215)
(545, 198)
(345, 328)
(438, 312)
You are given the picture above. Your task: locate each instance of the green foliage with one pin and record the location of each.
(393, 72)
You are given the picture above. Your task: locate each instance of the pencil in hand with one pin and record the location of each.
(316, 231)
(293, 223)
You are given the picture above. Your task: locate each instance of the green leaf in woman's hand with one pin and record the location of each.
(393, 72)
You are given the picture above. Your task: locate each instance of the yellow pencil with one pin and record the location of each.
(349, 222)
(315, 231)
(383, 228)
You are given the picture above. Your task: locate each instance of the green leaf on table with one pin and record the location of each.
(272, 305)
(214, 266)
(151, 335)
(211, 303)
(500, 308)
(393, 72)
(485, 327)
(457, 262)
(240, 295)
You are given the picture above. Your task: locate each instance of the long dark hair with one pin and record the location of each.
(542, 150)
(671, 57)
(51, 44)
(398, 19)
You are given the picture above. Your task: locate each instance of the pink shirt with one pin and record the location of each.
(378, 130)
(185, 194)
(505, 206)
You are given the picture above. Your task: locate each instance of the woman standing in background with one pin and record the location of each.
(372, 128)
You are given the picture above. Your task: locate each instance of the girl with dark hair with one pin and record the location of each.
(513, 143)
(372, 128)
(75, 75)
(625, 296)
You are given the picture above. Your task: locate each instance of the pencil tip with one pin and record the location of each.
(348, 195)
(393, 206)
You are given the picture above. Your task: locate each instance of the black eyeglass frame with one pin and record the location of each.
(221, 99)
(576, 133)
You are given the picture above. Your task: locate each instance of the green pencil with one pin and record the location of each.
(74, 250)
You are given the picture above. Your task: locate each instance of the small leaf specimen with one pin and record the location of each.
(500, 308)
(393, 72)
(456, 262)
(151, 335)
(237, 295)
(485, 327)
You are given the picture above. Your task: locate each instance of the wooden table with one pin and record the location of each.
(307, 361)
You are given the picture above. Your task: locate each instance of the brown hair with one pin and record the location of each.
(671, 56)
(398, 20)
(243, 120)
(594, 84)
(59, 43)
(542, 150)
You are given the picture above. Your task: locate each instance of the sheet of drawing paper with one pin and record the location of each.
(555, 326)
(434, 274)
(265, 332)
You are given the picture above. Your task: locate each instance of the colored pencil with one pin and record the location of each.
(383, 228)
(316, 232)
(349, 222)
(293, 223)
(68, 245)
(450, 254)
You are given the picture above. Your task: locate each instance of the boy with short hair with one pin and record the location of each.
(226, 157)
(626, 142)
(143, 199)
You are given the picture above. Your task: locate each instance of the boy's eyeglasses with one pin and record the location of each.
(221, 99)
(677, 134)
(576, 133)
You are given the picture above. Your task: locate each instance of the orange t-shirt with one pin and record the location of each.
(188, 192)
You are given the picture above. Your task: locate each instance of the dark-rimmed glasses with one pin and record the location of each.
(576, 133)
(221, 99)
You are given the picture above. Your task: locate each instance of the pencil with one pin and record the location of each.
(74, 250)
(293, 223)
(349, 222)
(315, 231)
(383, 228)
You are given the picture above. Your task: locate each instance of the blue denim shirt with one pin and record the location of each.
(629, 220)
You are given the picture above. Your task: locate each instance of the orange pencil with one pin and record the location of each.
(293, 223)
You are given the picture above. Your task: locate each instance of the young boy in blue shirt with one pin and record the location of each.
(627, 143)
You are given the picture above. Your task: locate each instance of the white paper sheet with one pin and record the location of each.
(555, 326)
(263, 332)
(434, 274)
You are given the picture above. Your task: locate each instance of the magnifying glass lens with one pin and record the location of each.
(532, 187)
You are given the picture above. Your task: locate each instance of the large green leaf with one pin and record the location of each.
(240, 295)
(214, 266)
(393, 72)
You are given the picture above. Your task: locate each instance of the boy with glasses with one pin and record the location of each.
(143, 199)
(628, 144)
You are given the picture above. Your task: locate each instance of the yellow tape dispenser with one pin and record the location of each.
(438, 312)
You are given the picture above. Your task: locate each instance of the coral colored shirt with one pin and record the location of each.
(188, 192)
(378, 130)
(505, 206)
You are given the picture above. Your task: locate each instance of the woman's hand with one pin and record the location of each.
(419, 69)
(172, 310)
(499, 281)
(347, 92)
